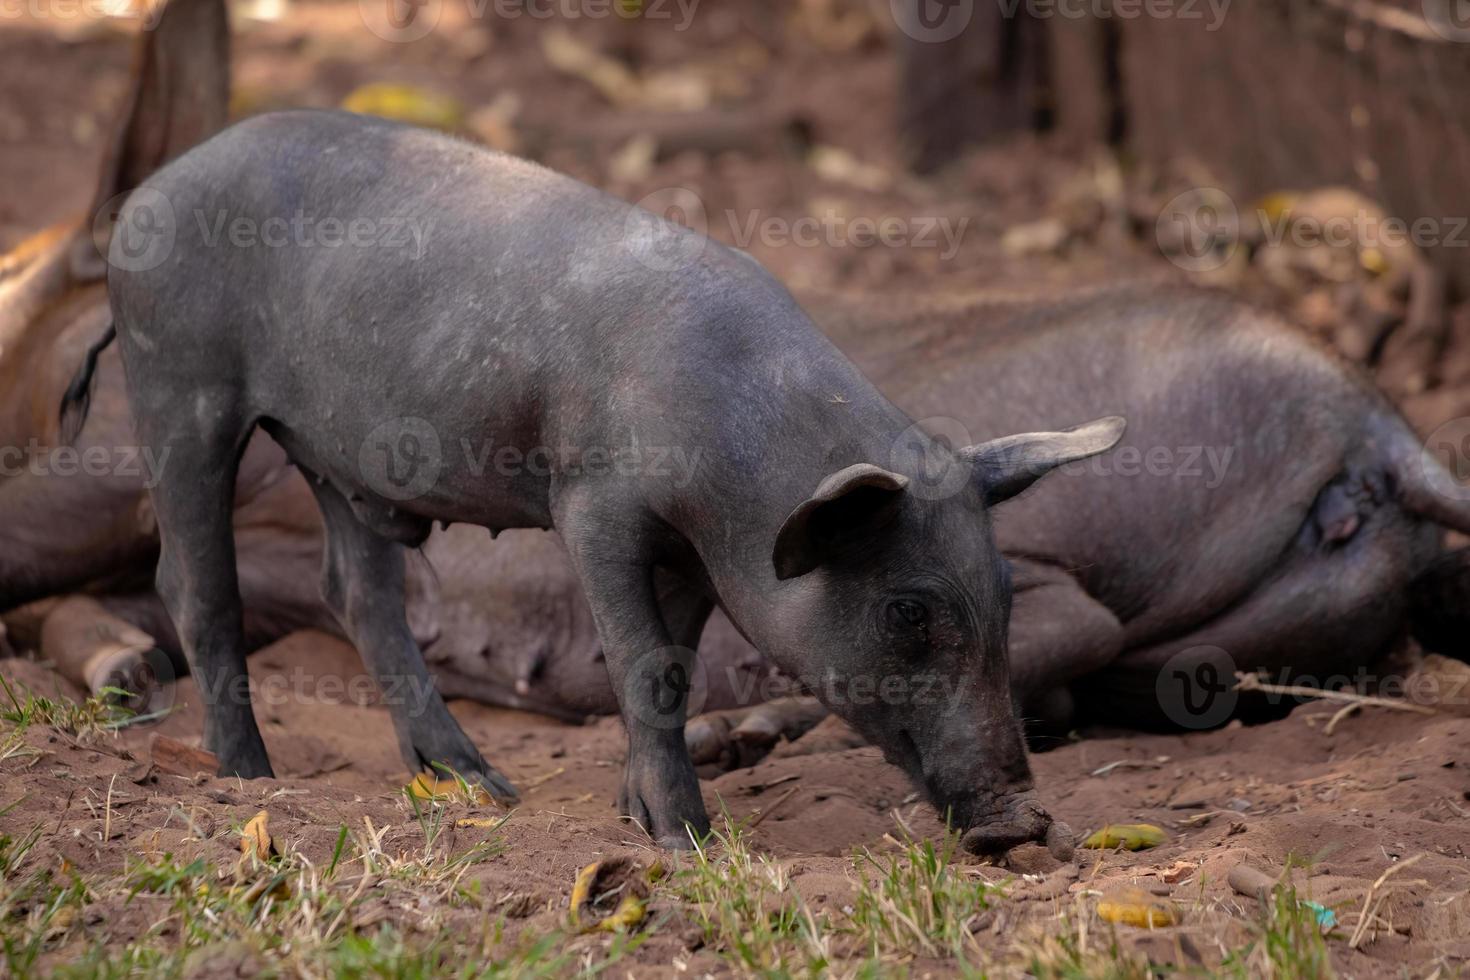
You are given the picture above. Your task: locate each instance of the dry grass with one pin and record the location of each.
(404, 901)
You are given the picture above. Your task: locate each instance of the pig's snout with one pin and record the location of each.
(1020, 819)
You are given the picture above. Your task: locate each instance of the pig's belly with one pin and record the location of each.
(407, 472)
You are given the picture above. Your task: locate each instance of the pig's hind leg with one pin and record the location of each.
(1058, 634)
(362, 583)
(197, 577)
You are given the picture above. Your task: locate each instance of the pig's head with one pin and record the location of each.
(902, 603)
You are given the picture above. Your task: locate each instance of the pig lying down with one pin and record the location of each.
(541, 313)
(1266, 510)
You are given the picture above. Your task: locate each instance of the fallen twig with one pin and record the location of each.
(1342, 713)
(1370, 911)
(1253, 682)
(1126, 764)
(766, 812)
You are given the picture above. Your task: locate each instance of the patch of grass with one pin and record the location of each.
(748, 911)
(918, 902)
(1070, 955)
(1290, 944)
(21, 708)
(34, 909)
(371, 912)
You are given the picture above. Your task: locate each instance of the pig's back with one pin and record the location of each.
(486, 296)
(1235, 423)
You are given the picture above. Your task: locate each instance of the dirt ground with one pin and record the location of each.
(1345, 803)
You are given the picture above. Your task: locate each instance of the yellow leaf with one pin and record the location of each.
(1274, 207)
(600, 881)
(255, 838)
(1128, 836)
(1373, 260)
(428, 787)
(629, 913)
(405, 103)
(1136, 907)
(582, 889)
(485, 823)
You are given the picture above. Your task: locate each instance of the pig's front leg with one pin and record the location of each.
(651, 675)
(1058, 635)
(362, 582)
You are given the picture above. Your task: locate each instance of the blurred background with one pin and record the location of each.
(1312, 155)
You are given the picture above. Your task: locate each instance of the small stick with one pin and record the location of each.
(1342, 713)
(544, 778)
(1252, 682)
(107, 816)
(1365, 918)
(756, 820)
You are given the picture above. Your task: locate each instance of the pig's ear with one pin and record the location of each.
(1005, 467)
(179, 95)
(843, 504)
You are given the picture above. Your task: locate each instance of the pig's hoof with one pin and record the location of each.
(672, 825)
(500, 789)
(995, 839)
(1061, 842)
(245, 766)
(1022, 823)
(671, 831)
(126, 675)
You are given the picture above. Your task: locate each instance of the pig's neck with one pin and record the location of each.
(831, 417)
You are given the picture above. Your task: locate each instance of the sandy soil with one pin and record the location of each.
(1382, 788)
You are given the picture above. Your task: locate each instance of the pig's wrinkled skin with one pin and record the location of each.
(1282, 519)
(543, 314)
(1285, 529)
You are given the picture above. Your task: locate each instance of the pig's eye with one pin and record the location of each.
(907, 612)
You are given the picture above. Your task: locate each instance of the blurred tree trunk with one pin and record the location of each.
(969, 71)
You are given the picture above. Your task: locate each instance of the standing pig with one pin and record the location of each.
(573, 341)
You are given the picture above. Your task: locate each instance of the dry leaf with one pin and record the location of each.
(428, 787)
(405, 103)
(485, 823)
(630, 911)
(255, 838)
(1178, 871)
(601, 881)
(1136, 907)
(1129, 836)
